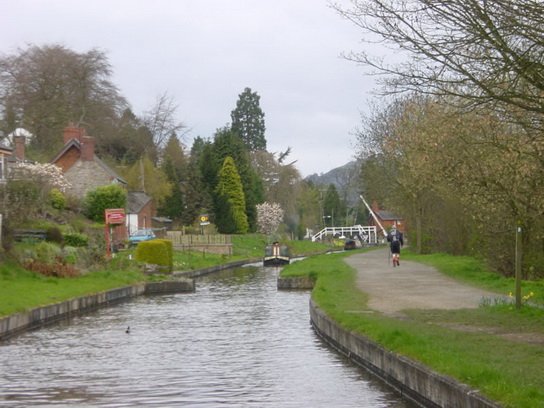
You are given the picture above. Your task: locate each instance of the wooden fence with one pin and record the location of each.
(214, 243)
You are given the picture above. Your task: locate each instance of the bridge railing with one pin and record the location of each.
(366, 234)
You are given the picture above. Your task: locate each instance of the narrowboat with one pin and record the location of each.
(276, 255)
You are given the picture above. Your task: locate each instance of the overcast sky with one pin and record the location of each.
(205, 52)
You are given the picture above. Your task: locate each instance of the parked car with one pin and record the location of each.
(349, 244)
(141, 235)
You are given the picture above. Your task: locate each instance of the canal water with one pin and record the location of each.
(236, 342)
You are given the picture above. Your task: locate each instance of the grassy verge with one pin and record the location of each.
(474, 272)
(248, 246)
(472, 346)
(252, 246)
(192, 260)
(22, 290)
(300, 248)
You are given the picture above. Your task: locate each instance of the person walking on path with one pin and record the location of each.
(396, 241)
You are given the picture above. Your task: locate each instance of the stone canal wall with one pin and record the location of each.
(172, 286)
(182, 282)
(19, 322)
(296, 283)
(213, 269)
(410, 378)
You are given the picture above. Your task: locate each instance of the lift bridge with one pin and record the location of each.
(367, 235)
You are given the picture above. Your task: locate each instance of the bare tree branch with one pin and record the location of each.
(161, 120)
(483, 52)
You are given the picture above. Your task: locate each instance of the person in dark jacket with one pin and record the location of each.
(396, 242)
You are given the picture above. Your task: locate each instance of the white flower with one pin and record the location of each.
(269, 217)
(44, 174)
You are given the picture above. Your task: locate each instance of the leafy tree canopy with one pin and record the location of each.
(102, 198)
(145, 176)
(43, 88)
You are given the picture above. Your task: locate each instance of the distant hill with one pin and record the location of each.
(345, 178)
(334, 176)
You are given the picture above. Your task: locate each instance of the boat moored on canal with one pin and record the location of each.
(276, 255)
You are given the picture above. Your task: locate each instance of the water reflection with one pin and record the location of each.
(236, 342)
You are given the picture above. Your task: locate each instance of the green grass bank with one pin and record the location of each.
(495, 348)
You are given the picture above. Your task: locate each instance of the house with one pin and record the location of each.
(84, 170)
(386, 218)
(11, 155)
(140, 211)
(5, 155)
(80, 165)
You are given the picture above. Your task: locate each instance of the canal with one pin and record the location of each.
(236, 342)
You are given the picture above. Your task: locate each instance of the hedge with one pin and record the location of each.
(170, 249)
(155, 251)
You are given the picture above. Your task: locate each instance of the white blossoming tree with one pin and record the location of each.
(269, 217)
(46, 175)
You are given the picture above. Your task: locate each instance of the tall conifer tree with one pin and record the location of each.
(228, 143)
(230, 205)
(248, 120)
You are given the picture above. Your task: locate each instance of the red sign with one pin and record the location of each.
(115, 215)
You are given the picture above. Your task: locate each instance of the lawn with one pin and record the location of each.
(21, 290)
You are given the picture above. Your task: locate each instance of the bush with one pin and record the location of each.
(76, 240)
(102, 198)
(57, 199)
(57, 269)
(170, 249)
(69, 255)
(47, 252)
(53, 234)
(155, 252)
(20, 199)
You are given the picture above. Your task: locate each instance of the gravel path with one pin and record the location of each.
(409, 286)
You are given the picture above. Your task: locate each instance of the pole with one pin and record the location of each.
(108, 239)
(518, 266)
(374, 216)
(112, 242)
(389, 256)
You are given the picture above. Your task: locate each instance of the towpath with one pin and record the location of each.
(409, 286)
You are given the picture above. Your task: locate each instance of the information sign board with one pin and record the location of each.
(115, 215)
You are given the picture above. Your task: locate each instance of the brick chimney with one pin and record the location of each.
(87, 148)
(72, 132)
(375, 206)
(19, 142)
